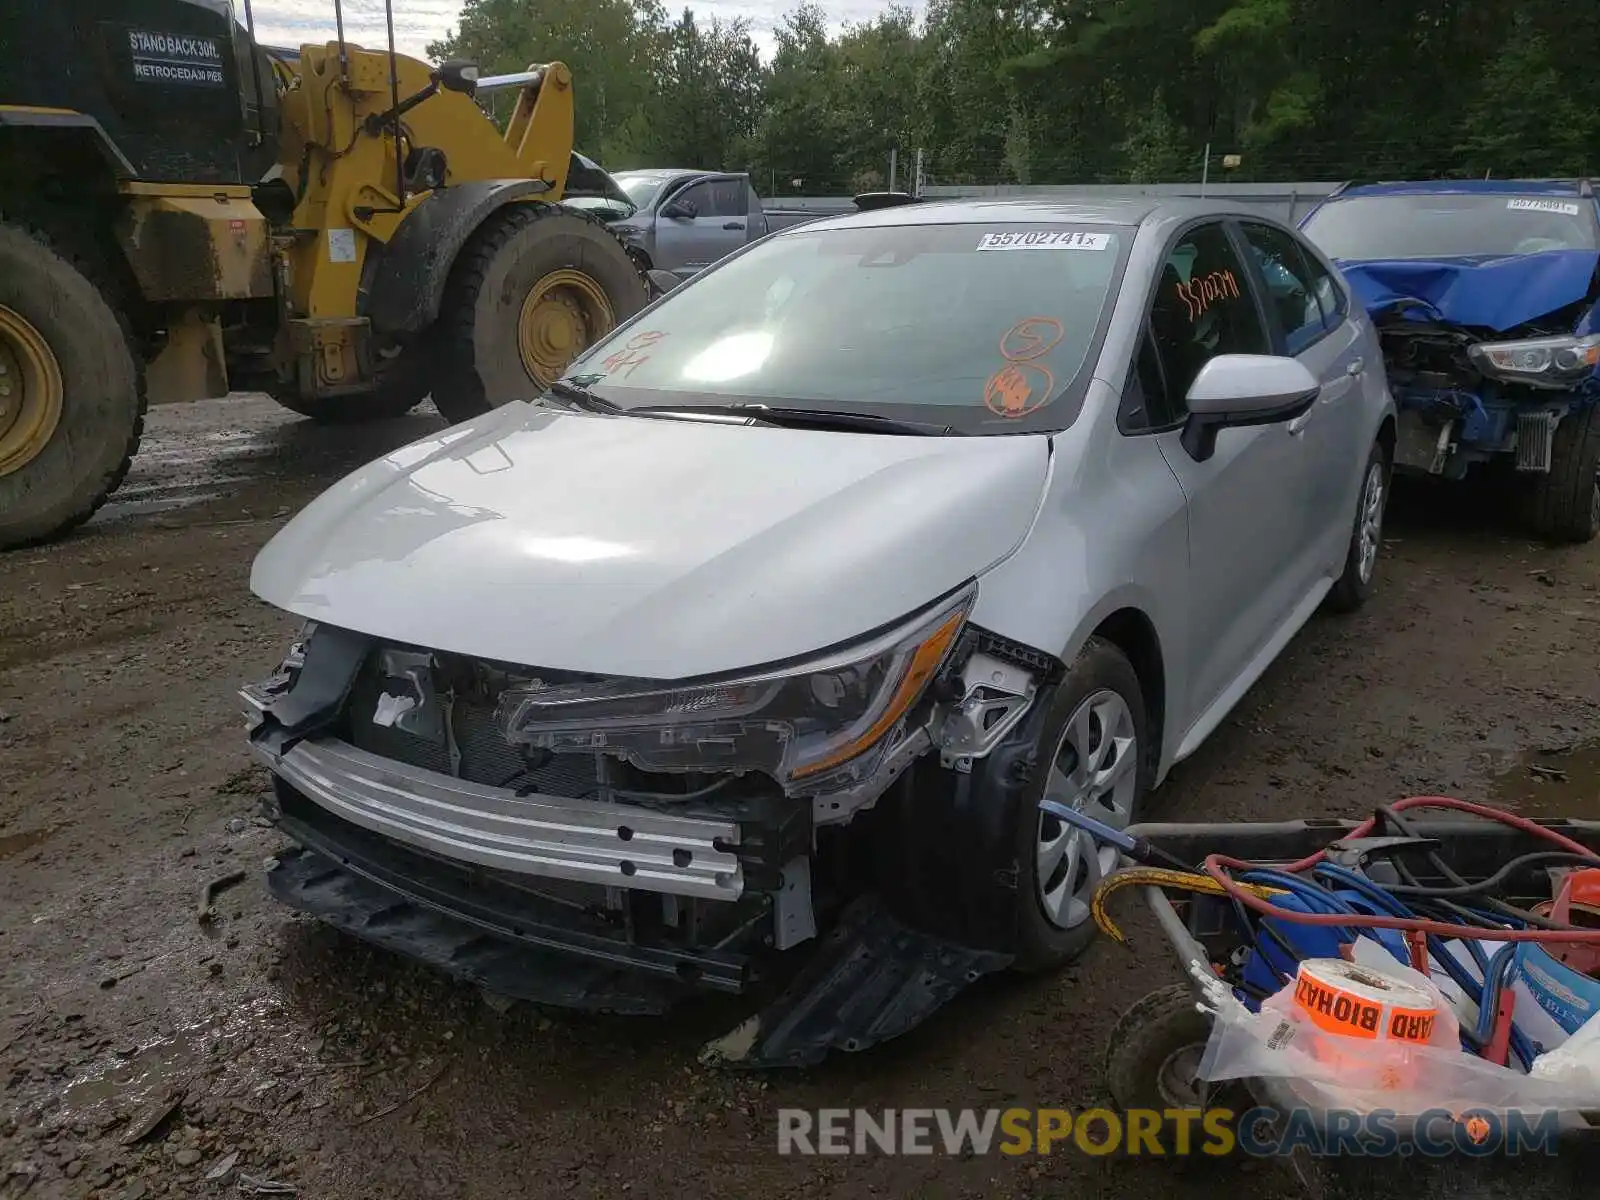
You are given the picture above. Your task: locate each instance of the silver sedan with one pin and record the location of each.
(818, 574)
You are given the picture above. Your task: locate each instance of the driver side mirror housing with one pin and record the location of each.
(1235, 390)
(679, 210)
(458, 75)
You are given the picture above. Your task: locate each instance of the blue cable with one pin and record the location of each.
(1497, 972)
(1436, 947)
(1317, 899)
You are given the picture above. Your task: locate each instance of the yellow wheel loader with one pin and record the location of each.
(184, 213)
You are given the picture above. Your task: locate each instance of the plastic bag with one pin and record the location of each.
(1575, 1063)
(1407, 1079)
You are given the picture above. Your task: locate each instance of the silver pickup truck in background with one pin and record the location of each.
(682, 221)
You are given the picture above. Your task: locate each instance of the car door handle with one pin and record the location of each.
(1356, 367)
(734, 225)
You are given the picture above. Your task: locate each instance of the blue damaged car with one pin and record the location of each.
(1485, 296)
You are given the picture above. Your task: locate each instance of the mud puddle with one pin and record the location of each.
(135, 1074)
(12, 844)
(1557, 781)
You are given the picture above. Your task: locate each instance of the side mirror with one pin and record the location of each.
(458, 75)
(662, 281)
(1245, 389)
(679, 210)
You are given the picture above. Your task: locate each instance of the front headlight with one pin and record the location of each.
(814, 727)
(1554, 362)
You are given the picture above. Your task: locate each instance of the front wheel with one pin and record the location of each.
(536, 286)
(1355, 583)
(1095, 756)
(72, 397)
(1565, 502)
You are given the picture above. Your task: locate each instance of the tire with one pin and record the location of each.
(1151, 1055)
(1147, 1041)
(1359, 577)
(1043, 941)
(1564, 505)
(483, 362)
(402, 385)
(58, 483)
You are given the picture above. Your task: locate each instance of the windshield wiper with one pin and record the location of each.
(823, 418)
(814, 418)
(579, 396)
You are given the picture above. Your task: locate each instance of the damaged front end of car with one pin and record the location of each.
(1468, 394)
(1492, 360)
(618, 845)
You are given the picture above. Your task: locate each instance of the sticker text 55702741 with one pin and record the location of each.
(1045, 239)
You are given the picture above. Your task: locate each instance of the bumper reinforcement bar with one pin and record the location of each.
(584, 841)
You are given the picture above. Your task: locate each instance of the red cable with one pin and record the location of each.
(1217, 866)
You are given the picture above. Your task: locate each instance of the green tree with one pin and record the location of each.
(1069, 91)
(802, 128)
(1155, 149)
(708, 98)
(1527, 119)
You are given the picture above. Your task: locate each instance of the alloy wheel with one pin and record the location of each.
(1095, 770)
(1370, 531)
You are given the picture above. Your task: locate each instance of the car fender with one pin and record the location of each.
(1073, 570)
(401, 290)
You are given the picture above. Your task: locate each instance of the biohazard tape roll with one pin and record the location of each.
(1362, 1003)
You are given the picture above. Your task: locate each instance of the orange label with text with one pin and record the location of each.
(1337, 1010)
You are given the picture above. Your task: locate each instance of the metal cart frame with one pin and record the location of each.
(1199, 928)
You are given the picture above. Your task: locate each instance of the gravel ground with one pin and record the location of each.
(144, 1052)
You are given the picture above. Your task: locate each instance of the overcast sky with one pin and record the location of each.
(417, 22)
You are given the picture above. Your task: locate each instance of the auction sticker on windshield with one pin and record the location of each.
(1045, 239)
(1528, 204)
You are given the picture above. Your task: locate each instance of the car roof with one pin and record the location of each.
(1086, 211)
(1466, 187)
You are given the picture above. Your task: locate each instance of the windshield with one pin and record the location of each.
(1450, 226)
(641, 189)
(979, 327)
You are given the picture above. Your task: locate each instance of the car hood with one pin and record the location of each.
(1498, 293)
(652, 548)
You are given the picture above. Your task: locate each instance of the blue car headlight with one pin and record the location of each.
(1551, 362)
(813, 726)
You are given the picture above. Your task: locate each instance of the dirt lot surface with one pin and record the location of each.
(142, 1050)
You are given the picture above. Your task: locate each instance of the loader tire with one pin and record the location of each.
(1564, 505)
(535, 286)
(402, 385)
(73, 405)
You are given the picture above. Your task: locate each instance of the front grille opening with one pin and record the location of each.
(486, 757)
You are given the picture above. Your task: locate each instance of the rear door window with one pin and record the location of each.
(1292, 287)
